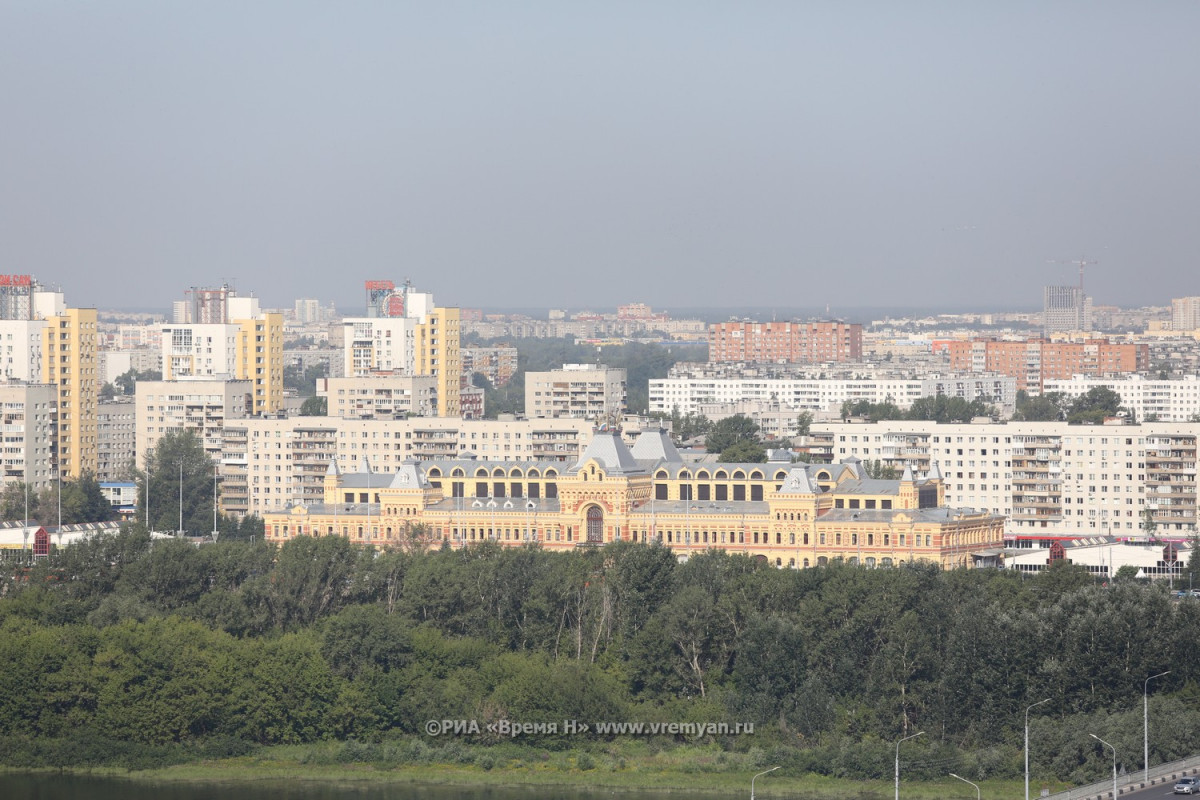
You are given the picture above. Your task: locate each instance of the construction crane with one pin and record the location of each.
(1081, 263)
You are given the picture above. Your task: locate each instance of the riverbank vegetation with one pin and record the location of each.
(327, 655)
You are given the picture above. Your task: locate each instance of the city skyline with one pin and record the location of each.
(922, 155)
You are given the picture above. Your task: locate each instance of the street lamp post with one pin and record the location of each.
(1038, 703)
(1146, 722)
(181, 497)
(756, 777)
(964, 780)
(1114, 752)
(905, 739)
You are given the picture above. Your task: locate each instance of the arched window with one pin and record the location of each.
(595, 525)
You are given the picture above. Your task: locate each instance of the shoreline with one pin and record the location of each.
(248, 771)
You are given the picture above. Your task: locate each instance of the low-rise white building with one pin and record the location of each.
(1104, 556)
(1153, 399)
(824, 396)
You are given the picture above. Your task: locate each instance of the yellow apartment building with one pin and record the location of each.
(69, 362)
(260, 359)
(436, 353)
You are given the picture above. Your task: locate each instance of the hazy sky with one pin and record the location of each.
(573, 154)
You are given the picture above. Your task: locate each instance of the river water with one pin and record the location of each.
(73, 787)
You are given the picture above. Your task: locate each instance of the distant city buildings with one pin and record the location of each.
(1185, 313)
(692, 394)
(497, 364)
(1065, 309)
(1034, 361)
(784, 342)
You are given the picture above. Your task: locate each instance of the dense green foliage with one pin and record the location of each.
(736, 439)
(80, 500)
(119, 651)
(939, 408)
(303, 380)
(1090, 408)
(179, 474)
(125, 382)
(314, 406)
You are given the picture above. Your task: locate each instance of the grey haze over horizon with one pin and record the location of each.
(582, 155)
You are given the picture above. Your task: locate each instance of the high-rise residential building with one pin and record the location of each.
(116, 438)
(577, 391)
(27, 413)
(784, 342)
(1185, 313)
(306, 310)
(45, 342)
(234, 339)
(405, 333)
(70, 363)
(1066, 309)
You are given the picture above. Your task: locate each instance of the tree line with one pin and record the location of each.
(166, 648)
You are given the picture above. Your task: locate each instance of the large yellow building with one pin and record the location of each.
(436, 353)
(69, 362)
(789, 515)
(260, 359)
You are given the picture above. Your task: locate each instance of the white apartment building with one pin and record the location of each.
(29, 419)
(823, 395)
(379, 344)
(269, 464)
(379, 396)
(385, 344)
(201, 405)
(21, 349)
(1185, 313)
(1171, 400)
(1047, 478)
(577, 391)
(194, 349)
